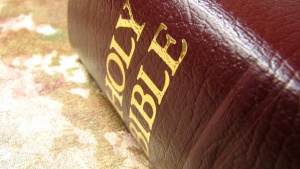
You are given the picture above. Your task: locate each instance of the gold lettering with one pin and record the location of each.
(146, 98)
(162, 51)
(158, 93)
(137, 122)
(131, 23)
(114, 94)
(141, 121)
(114, 57)
(126, 58)
(139, 137)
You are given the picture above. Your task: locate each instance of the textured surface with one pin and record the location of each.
(52, 114)
(233, 101)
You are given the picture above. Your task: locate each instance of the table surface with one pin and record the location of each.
(52, 113)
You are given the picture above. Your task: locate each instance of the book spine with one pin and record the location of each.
(198, 84)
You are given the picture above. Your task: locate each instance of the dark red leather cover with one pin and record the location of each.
(221, 90)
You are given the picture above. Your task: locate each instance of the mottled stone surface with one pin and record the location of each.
(52, 114)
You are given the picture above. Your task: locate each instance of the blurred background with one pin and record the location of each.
(52, 113)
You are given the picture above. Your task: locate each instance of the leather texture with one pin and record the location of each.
(234, 100)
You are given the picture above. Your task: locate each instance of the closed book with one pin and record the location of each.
(199, 84)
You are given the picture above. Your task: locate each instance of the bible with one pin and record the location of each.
(199, 84)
